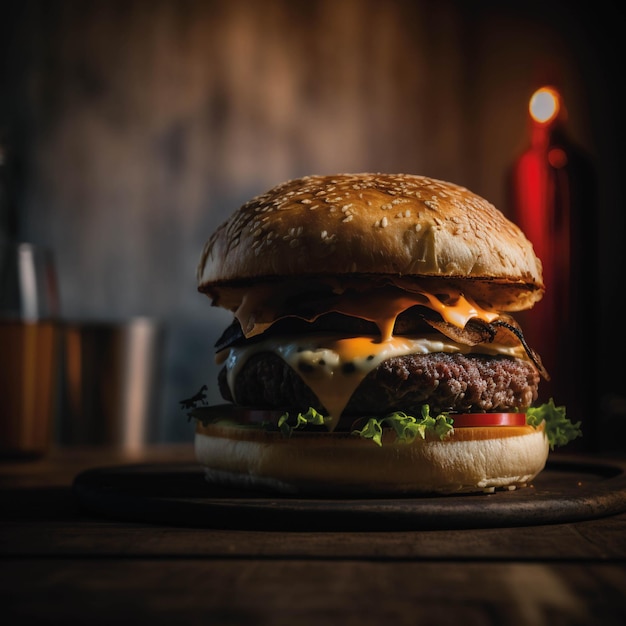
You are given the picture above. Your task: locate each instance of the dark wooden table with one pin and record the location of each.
(61, 563)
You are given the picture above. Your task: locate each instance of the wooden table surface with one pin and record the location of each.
(61, 563)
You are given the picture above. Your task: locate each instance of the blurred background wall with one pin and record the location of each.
(135, 127)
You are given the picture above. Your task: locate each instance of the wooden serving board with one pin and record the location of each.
(571, 488)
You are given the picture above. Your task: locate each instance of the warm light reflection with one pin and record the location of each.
(557, 157)
(544, 105)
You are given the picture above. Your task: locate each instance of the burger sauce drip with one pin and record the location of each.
(384, 310)
(258, 310)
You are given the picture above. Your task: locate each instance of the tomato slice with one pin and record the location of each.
(467, 420)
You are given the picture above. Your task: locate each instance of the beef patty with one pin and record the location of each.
(446, 382)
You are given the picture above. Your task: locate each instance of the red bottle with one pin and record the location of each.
(552, 198)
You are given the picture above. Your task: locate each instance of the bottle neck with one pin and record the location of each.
(540, 135)
(545, 136)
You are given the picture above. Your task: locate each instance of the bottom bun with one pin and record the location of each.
(469, 460)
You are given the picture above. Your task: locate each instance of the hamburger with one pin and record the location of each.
(373, 348)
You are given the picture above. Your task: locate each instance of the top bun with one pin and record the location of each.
(357, 225)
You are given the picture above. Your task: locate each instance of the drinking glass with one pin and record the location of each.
(29, 346)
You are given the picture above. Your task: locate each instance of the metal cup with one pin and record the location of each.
(110, 383)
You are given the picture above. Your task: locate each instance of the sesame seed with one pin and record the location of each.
(383, 222)
(348, 218)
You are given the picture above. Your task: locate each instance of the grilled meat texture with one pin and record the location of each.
(446, 382)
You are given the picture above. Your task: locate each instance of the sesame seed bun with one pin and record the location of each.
(358, 225)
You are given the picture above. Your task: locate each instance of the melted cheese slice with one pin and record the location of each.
(333, 366)
(261, 307)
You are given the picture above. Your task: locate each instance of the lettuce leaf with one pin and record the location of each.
(558, 428)
(406, 427)
(310, 418)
